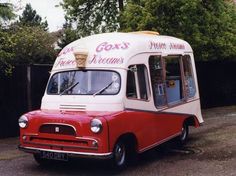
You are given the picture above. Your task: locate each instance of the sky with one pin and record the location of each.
(46, 9)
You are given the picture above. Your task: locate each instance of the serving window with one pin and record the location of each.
(157, 80)
(172, 79)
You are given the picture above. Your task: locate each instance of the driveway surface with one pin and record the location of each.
(210, 151)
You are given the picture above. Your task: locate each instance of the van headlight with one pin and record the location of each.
(23, 121)
(96, 125)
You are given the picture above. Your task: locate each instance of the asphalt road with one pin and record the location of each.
(210, 151)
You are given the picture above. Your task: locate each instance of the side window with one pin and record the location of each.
(157, 80)
(188, 76)
(131, 86)
(137, 82)
(174, 88)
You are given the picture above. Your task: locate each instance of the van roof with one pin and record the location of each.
(115, 49)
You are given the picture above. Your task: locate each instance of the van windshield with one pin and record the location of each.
(84, 82)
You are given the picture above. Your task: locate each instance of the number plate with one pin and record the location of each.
(54, 156)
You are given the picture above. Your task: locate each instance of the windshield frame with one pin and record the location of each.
(105, 70)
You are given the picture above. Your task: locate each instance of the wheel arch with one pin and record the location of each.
(130, 140)
(192, 121)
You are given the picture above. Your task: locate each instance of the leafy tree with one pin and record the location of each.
(31, 18)
(24, 42)
(93, 16)
(89, 17)
(68, 35)
(25, 45)
(6, 12)
(5, 52)
(32, 45)
(209, 26)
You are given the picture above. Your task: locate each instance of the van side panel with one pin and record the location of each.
(150, 128)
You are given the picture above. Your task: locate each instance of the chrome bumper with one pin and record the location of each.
(69, 153)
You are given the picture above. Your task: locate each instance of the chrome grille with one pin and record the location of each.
(57, 129)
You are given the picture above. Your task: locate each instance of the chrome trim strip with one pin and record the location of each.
(70, 153)
(30, 134)
(86, 139)
(159, 142)
(58, 145)
(78, 138)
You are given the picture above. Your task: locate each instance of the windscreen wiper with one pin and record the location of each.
(103, 89)
(69, 88)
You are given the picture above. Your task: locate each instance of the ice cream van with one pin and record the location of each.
(112, 95)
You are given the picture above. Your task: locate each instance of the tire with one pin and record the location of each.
(183, 137)
(119, 156)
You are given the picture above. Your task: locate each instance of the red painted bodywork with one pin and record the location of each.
(149, 129)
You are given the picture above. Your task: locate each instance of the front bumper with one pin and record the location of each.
(70, 154)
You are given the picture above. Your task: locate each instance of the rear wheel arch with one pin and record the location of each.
(191, 121)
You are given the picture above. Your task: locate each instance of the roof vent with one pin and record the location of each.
(146, 32)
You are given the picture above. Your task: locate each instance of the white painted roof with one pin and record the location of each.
(115, 49)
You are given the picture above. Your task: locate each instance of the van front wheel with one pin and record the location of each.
(119, 155)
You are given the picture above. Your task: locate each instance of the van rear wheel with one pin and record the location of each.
(182, 139)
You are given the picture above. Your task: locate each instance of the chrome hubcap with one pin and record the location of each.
(183, 134)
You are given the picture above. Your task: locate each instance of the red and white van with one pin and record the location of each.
(113, 94)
